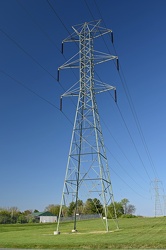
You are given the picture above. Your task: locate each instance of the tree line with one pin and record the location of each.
(91, 206)
(13, 215)
(94, 206)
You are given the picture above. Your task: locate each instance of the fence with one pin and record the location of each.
(82, 217)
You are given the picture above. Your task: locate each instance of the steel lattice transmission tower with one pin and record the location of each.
(158, 208)
(87, 172)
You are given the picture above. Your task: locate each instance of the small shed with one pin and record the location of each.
(44, 217)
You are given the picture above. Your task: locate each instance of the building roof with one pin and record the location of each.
(46, 213)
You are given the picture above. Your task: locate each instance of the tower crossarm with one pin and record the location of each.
(98, 58)
(93, 29)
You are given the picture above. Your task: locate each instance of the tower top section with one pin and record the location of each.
(87, 57)
(93, 28)
(85, 34)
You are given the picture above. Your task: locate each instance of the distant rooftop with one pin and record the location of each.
(46, 213)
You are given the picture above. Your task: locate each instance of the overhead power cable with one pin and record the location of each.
(46, 34)
(33, 92)
(39, 26)
(132, 107)
(107, 47)
(44, 31)
(123, 153)
(27, 88)
(137, 122)
(126, 183)
(133, 142)
(28, 54)
(53, 9)
(129, 101)
(121, 112)
(20, 83)
(89, 10)
(125, 170)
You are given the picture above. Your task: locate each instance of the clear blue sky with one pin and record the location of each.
(35, 135)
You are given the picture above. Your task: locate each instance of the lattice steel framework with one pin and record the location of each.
(158, 209)
(87, 172)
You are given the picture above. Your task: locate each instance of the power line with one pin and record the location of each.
(123, 151)
(107, 47)
(48, 37)
(125, 170)
(89, 10)
(23, 85)
(61, 19)
(51, 6)
(121, 112)
(130, 102)
(28, 54)
(33, 92)
(136, 117)
(39, 26)
(54, 106)
(133, 143)
(98, 76)
(26, 51)
(137, 122)
(126, 183)
(29, 89)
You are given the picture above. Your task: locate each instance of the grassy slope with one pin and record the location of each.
(133, 233)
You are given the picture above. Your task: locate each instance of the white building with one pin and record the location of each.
(44, 217)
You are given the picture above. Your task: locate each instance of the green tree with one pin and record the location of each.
(124, 203)
(93, 206)
(5, 216)
(27, 212)
(54, 209)
(36, 211)
(131, 209)
(14, 212)
(22, 218)
(118, 207)
(128, 208)
(9, 215)
(89, 206)
(71, 208)
(80, 207)
(98, 206)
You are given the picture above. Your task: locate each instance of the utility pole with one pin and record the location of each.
(87, 171)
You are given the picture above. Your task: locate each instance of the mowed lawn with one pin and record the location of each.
(134, 233)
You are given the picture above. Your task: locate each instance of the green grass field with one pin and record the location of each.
(144, 233)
